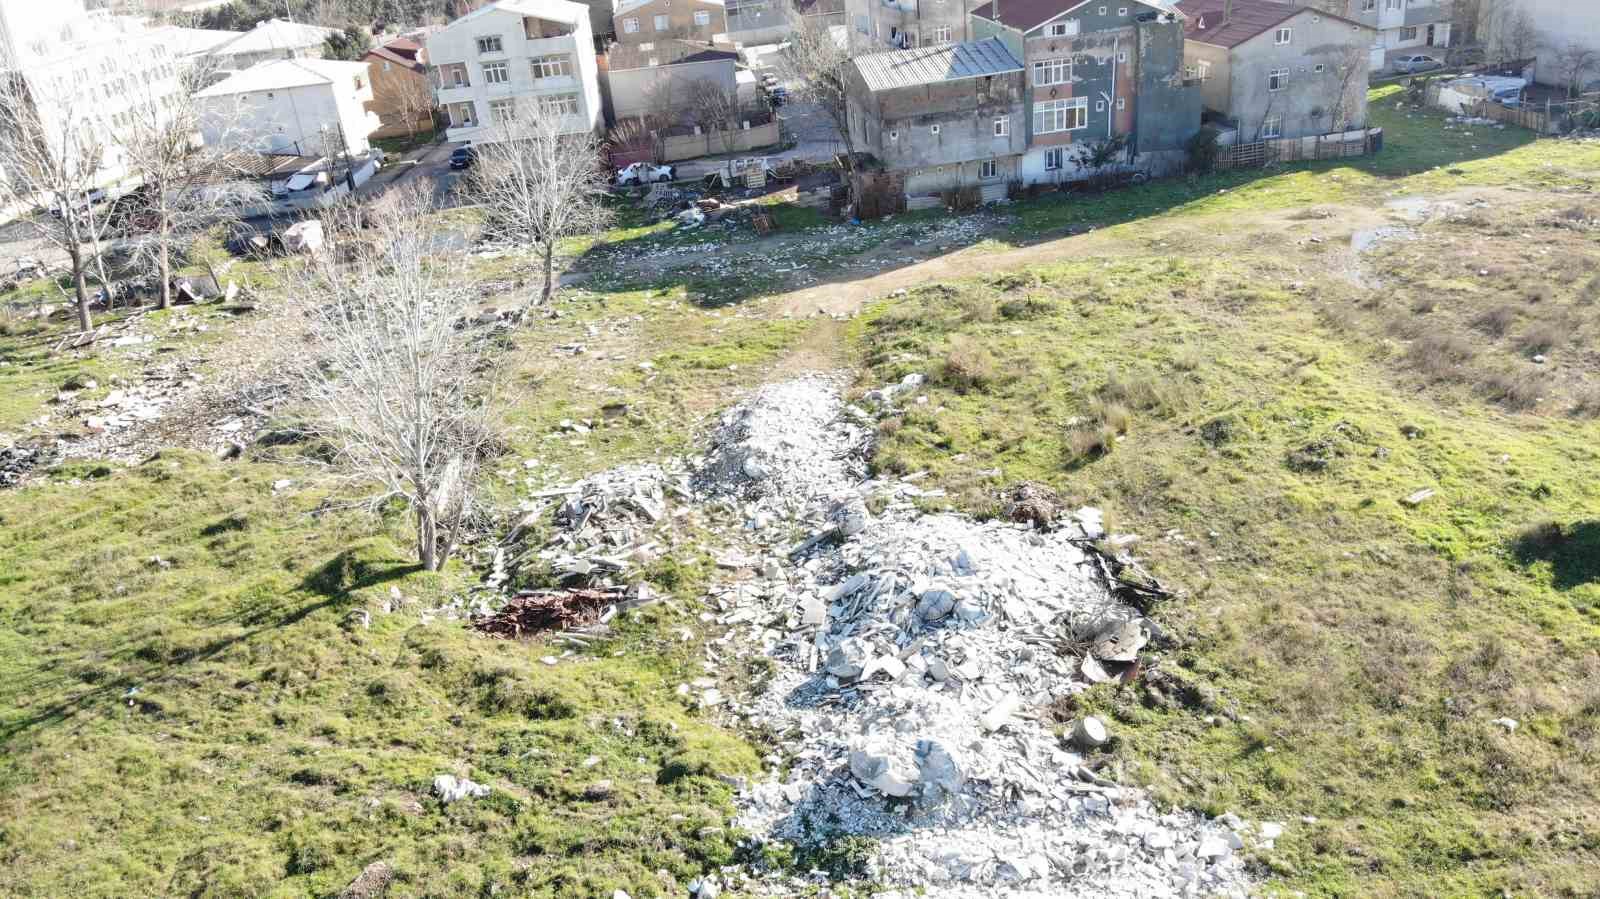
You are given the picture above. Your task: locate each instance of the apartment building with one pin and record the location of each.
(665, 80)
(1555, 32)
(515, 52)
(272, 39)
(308, 107)
(647, 21)
(1097, 71)
(402, 96)
(942, 117)
(88, 70)
(1399, 27)
(903, 24)
(1276, 70)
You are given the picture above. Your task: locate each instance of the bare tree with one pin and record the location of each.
(714, 108)
(814, 63)
(413, 100)
(395, 382)
(1572, 62)
(52, 154)
(542, 184)
(186, 185)
(1515, 34)
(1350, 67)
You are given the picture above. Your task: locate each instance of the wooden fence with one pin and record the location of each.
(1339, 145)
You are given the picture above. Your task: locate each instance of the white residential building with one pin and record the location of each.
(272, 39)
(511, 54)
(87, 69)
(309, 107)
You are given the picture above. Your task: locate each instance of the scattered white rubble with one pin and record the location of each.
(450, 788)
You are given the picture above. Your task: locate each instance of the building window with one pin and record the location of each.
(1052, 71)
(1122, 10)
(1408, 33)
(661, 23)
(1272, 126)
(1393, 4)
(1369, 5)
(941, 35)
(933, 129)
(1060, 115)
(1053, 158)
(1122, 56)
(988, 169)
(630, 26)
(1122, 102)
(551, 66)
(1002, 127)
(489, 44)
(1319, 68)
(559, 105)
(458, 75)
(702, 17)
(502, 111)
(894, 135)
(1202, 68)
(1102, 10)
(1285, 35)
(386, 65)
(1277, 79)
(1099, 106)
(495, 73)
(1062, 29)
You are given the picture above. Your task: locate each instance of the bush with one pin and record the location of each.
(1439, 355)
(1089, 440)
(967, 366)
(1113, 415)
(1518, 392)
(1541, 338)
(1496, 321)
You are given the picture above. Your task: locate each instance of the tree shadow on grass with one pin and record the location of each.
(331, 586)
(1573, 551)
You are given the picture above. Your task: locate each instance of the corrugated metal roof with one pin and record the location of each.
(930, 65)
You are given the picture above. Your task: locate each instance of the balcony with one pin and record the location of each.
(1426, 14)
(537, 29)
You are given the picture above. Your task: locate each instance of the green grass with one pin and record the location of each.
(188, 710)
(1263, 462)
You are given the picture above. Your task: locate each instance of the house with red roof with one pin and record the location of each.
(1277, 71)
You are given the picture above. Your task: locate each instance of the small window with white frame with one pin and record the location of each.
(1099, 106)
(1202, 69)
(1272, 126)
(1122, 102)
(495, 73)
(1053, 158)
(1122, 56)
(1277, 79)
(988, 169)
(894, 135)
(630, 26)
(1102, 10)
(933, 129)
(1052, 71)
(1122, 10)
(1002, 127)
(1284, 36)
(489, 43)
(1062, 29)
(941, 35)
(1319, 68)
(502, 111)
(702, 17)
(663, 23)
(556, 66)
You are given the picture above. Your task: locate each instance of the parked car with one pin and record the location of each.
(81, 202)
(777, 96)
(646, 173)
(1508, 96)
(463, 157)
(300, 181)
(1418, 63)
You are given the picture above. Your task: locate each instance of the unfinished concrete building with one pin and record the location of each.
(1272, 70)
(1099, 72)
(877, 25)
(942, 117)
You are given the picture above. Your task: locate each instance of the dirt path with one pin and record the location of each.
(1213, 234)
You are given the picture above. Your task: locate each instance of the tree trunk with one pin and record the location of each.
(427, 539)
(165, 267)
(81, 287)
(549, 273)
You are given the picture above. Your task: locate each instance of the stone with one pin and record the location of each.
(1271, 830)
(877, 771)
(934, 605)
(599, 791)
(1212, 847)
(847, 660)
(999, 714)
(1418, 498)
(813, 611)
(1509, 724)
(704, 887)
(1121, 641)
(1091, 521)
(371, 883)
(1090, 732)
(937, 771)
(450, 788)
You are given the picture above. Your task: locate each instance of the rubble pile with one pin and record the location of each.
(914, 653)
(537, 611)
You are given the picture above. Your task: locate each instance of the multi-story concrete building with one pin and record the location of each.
(647, 21)
(272, 39)
(402, 97)
(1554, 32)
(1276, 70)
(308, 107)
(941, 117)
(666, 81)
(903, 24)
(1399, 27)
(1097, 71)
(88, 70)
(515, 52)
(757, 21)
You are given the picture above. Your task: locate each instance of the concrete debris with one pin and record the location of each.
(1418, 498)
(1090, 733)
(911, 651)
(704, 887)
(450, 788)
(1509, 724)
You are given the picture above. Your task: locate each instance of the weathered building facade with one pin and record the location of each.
(945, 117)
(903, 24)
(1275, 70)
(647, 21)
(1098, 72)
(1402, 27)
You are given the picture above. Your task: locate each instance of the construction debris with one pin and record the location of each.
(535, 612)
(450, 788)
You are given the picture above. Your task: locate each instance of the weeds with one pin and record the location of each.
(968, 366)
(1495, 321)
(1541, 338)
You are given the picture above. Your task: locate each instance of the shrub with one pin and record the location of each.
(967, 366)
(1026, 308)
(1439, 355)
(1518, 392)
(1541, 338)
(1113, 415)
(1090, 440)
(1496, 321)
(1422, 305)
(1587, 403)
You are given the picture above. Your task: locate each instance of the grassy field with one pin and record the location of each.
(189, 706)
(1263, 458)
